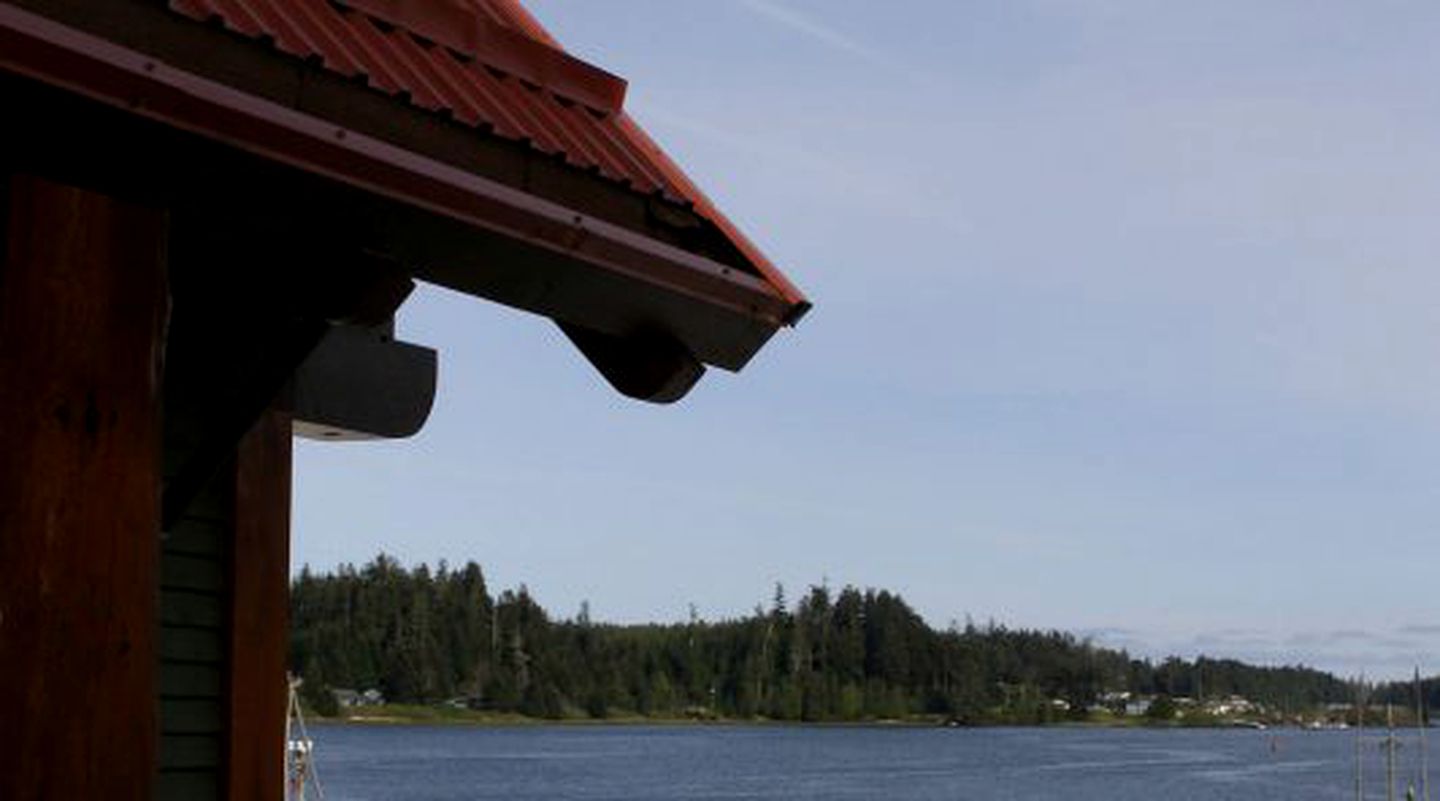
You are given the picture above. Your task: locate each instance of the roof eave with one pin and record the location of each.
(53, 53)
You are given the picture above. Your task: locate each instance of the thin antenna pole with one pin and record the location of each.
(1389, 752)
(1420, 722)
(1360, 739)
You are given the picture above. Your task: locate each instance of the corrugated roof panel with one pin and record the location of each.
(547, 105)
(476, 87)
(374, 58)
(631, 161)
(279, 27)
(406, 57)
(235, 16)
(451, 88)
(579, 150)
(518, 98)
(435, 78)
(322, 40)
(511, 14)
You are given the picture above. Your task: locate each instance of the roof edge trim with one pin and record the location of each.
(701, 202)
(708, 210)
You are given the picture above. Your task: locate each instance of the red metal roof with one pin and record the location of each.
(487, 64)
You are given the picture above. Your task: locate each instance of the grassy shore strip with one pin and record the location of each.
(420, 714)
(413, 714)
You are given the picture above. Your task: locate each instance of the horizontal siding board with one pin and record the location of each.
(196, 537)
(193, 644)
(187, 785)
(211, 504)
(190, 573)
(189, 716)
(188, 680)
(190, 645)
(189, 751)
(192, 609)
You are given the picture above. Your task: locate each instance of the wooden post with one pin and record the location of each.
(259, 612)
(82, 319)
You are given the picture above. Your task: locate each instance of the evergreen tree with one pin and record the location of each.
(426, 636)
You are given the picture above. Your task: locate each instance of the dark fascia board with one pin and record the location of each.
(581, 251)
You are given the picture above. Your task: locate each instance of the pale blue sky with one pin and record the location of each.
(1126, 322)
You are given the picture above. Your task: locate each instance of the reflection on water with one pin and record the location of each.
(770, 763)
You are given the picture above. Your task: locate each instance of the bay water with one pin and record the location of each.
(794, 763)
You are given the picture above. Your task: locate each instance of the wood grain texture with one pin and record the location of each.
(259, 612)
(82, 318)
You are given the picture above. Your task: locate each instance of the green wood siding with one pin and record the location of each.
(193, 639)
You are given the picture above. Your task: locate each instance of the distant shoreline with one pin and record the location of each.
(413, 715)
(411, 638)
(404, 714)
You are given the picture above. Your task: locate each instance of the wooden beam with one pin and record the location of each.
(646, 365)
(259, 612)
(234, 404)
(250, 308)
(82, 315)
(360, 383)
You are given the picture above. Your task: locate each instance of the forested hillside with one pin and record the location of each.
(422, 635)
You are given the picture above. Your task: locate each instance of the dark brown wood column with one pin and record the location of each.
(82, 317)
(260, 612)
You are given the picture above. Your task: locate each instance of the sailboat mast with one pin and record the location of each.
(1421, 723)
(1389, 752)
(1360, 739)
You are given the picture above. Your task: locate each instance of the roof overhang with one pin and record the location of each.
(450, 226)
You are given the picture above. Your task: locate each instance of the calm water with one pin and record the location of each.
(422, 763)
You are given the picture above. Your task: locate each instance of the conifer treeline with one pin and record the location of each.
(423, 636)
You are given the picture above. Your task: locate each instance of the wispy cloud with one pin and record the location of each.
(826, 179)
(824, 34)
(765, 148)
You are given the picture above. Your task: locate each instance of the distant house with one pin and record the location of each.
(352, 698)
(1232, 705)
(1138, 706)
